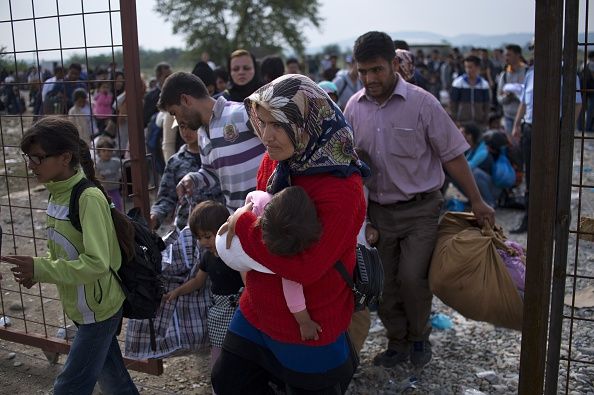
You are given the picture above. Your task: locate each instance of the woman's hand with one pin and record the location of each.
(229, 226)
(371, 234)
(22, 269)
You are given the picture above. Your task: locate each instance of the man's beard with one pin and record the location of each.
(195, 122)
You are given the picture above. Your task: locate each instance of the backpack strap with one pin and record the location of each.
(74, 218)
(73, 206)
(344, 274)
(125, 289)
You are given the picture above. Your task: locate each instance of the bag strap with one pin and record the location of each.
(73, 205)
(125, 289)
(74, 217)
(344, 274)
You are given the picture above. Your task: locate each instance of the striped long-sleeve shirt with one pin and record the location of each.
(230, 153)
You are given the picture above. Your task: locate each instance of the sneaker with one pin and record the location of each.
(420, 353)
(390, 358)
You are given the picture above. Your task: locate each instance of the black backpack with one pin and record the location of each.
(367, 282)
(139, 278)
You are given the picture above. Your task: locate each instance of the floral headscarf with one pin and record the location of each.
(322, 138)
(406, 61)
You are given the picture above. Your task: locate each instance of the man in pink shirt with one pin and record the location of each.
(408, 139)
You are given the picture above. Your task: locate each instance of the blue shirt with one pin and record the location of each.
(476, 156)
(528, 94)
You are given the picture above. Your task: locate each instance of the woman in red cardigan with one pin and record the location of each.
(309, 144)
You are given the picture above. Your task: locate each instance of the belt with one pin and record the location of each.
(417, 197)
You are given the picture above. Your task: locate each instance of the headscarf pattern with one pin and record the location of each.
(406, 62)
(321, 136)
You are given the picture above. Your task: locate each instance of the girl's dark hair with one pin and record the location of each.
(208, 216)
(57, 135)
(79, 93)
(290, 222)
(105, 142)
(474, 131)
(221, 73)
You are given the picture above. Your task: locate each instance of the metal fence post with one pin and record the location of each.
(134, 101)
(543, 196)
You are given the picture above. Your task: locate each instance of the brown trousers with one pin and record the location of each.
(408, 232)
(359, 328)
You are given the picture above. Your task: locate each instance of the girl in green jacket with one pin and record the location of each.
(79, 263)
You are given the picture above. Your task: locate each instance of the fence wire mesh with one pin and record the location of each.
(81, 43)
(576, 367)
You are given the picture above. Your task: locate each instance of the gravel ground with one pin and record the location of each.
(470, 357)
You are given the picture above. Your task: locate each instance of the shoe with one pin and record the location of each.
(420, 353)
(390, 358)
(522, 228)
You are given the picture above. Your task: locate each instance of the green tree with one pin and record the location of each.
(332, 49)
(4, 62)
(221, 26)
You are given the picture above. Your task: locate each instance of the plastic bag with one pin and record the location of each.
(502, 172)
(515, 262)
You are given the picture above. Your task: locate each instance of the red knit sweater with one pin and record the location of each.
(341, 209)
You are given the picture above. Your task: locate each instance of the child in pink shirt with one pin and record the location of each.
(289, 225)
(102, 101)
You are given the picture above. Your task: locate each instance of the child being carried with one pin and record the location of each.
(290, 225)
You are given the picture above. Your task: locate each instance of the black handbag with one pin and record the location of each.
(367, 282)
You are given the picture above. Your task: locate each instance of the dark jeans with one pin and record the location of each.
(95, 357)
(526, 142)
(588, 109)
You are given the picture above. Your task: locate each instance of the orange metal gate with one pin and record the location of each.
(39, 33)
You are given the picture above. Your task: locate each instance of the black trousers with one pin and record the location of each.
(234, 375)
(526, 142)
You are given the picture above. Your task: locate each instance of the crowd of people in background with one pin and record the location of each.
(409, 125)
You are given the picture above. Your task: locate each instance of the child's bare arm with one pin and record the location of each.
(191, 285)
(309, 329)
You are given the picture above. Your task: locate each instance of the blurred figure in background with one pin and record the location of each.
(292, 66)
(271, 68)
(347, 82)
(245, 76)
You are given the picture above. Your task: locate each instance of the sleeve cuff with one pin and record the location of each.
(38, 270)
(244, 225)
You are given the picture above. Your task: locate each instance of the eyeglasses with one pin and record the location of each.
(35, 159)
